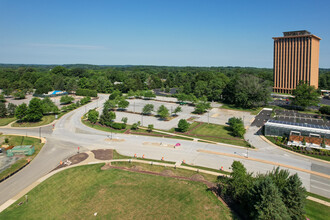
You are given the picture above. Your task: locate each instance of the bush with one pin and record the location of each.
(118, 126)
(86, 92)
(325, 110)
(66, 99)
(85, 100)
(134, 126)
(237, 127)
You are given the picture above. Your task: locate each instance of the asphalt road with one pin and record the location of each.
(69, 133)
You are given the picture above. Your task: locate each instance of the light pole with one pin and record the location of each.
(142, 120)
(40, 132)
(208, 116)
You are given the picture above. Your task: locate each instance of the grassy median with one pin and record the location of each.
(47, 119)
(6, 121)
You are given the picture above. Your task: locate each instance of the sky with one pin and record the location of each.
(154, 32)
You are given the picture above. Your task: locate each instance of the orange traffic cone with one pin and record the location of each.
(143, 156)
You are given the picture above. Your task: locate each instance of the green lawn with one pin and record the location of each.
(47, 119)
(117, 194)
(219, 132)
(316, 211)
(5, 121)
(20, 140)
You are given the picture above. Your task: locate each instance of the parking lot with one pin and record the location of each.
(294, 116)
(216, 115)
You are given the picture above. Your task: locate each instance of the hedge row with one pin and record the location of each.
(86, 92)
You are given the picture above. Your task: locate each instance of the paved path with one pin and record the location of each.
(69, 133)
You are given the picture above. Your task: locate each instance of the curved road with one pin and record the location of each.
(69, 133)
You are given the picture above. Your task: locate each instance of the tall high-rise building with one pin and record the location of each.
(296, 58)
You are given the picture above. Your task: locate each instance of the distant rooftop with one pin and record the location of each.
(296, 33)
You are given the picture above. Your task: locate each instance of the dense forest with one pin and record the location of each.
(212, 82)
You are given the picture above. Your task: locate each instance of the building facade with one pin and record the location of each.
(296, 58)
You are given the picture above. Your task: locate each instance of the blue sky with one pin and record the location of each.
(154, 32)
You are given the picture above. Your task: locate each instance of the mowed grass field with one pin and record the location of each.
(78, 193)
(5, 121)
(47, 119)
(220, 133)
(316, 211)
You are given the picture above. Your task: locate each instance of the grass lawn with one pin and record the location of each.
(316, 211)
(206, 168)
(20, 140)
(5, 121)
(47, 119)
(79, 192)
(219, 132)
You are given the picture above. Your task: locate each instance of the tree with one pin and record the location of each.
(183, 125)
(21, 111)
(177, 110)
(43, 85)
(3, 110)
(293, 194)
(124, 120)
(130, 94)
(115, 94)
(265, 200)
(66, 99)
(163, 112)
(19, 94)
(148, 94)
(93, 116)
(34, 111)
(237, 126)
(2, 98)
(134, 126)
(70, 85)
(48, 106)
(123, 104)
(107, 117)
(305, 95)
(147, 109)
(150, 127)
(202, 107)
(247, 91)
(11, 109)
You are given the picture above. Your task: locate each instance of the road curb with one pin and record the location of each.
(289, 151)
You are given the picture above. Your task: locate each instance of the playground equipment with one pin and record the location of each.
(21, 150)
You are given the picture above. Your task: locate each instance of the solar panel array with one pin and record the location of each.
(301, 124)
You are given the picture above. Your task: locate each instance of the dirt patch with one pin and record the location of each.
(167, 173)
(106, 166)
(103, 154)
(197, 177)
(72, 160)
(136, 168)
(78, 158)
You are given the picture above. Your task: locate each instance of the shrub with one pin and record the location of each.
(325, 110)
(118, 126)
(66, 99)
